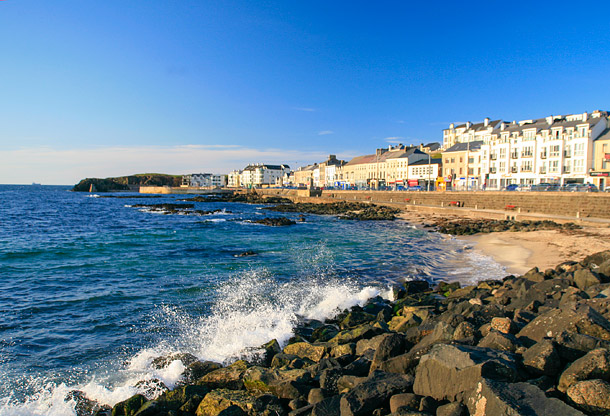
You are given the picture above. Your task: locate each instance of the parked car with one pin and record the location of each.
(572, 187)
(511, 187)
(546, 186)
(589, 187)
(415, 188)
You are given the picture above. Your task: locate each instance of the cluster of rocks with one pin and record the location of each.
(247, 198)
(131, 196)
(537, 344)
(180, 209)
(275, 221)
(345, 210)
(468, 226)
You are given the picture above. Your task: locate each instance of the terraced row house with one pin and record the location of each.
(392, 167)
(555, 149)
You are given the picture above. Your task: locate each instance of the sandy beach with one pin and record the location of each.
(521, 251)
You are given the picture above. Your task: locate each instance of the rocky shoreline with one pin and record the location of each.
(469, 226)
(527, 345)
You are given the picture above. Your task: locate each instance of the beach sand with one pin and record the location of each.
(521, 251)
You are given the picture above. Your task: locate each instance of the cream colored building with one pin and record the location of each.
(462, 166)
(385, 168)
(601, 161)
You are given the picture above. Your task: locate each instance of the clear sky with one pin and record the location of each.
(108, 88)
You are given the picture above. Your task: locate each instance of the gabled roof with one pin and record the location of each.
(463, 147)
(390, 154)
(425, 162)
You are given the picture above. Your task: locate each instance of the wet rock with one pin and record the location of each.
(366, 331)
(199, 369)
(595, 364)
(226, 378)
(499, 398)
(324, 333)
(448, 372)
(356, 318)
(305, 350)
(286, 384)
(182, 397)
(221, 399)
(591, 396)
(83, 406)
(289, 361)
(246, 254)
(542, 358)
(275, 222)
(162, 362)
(374, 393)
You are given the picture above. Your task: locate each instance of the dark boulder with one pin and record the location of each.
(595, 364)
(448, 372)
(374, 393)
(542, 358)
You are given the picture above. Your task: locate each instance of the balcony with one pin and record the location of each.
(493, 157)
(526, 155)
(493, 171)
(514, 169)
(567, 154)
(543, 155)
(542, 171)
(567, 169)
(526, 168)
(514, 156)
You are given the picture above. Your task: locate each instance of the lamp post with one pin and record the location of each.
(429, 169)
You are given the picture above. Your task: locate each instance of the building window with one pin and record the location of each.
(579, 149)
(554, 151)
(554, 166)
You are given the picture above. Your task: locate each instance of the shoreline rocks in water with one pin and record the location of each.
(181, 209)
(275, 222)
(344, 210)
(526, 345)
(468, 226)
(247, 198)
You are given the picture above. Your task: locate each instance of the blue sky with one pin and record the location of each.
(115, 88)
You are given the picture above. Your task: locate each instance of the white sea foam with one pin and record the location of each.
(251, 309)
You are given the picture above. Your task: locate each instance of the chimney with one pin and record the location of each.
(549, 120)
(451, 126)
(468, 124)
(502, 126)
(585, 116)
(486, 122)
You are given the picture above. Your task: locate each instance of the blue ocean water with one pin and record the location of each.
(92, 289)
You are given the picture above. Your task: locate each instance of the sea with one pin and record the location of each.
(92, 289)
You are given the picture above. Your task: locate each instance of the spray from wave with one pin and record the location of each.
(251, 309)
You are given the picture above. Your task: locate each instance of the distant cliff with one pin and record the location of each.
(124, 183)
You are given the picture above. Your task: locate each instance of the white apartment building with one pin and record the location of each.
(204, 180)
(555, 149)
(425, 173)
(261, 174)
(234, 179)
